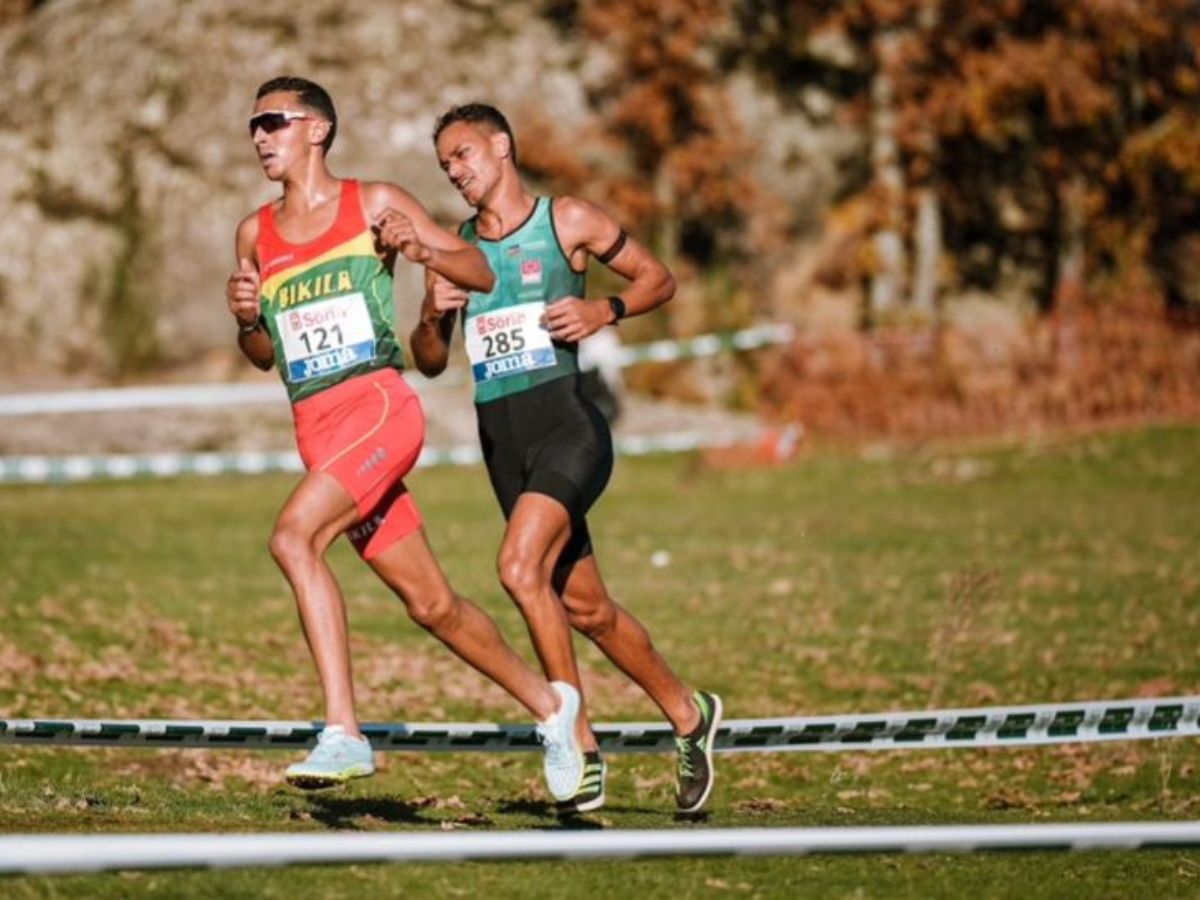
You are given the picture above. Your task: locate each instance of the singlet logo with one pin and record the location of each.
(531, 272)
(278, 262)
(308, 288)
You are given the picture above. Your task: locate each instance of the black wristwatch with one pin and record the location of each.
(617, 305)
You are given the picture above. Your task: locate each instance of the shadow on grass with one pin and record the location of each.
(587, 821)
(539, 808)
(342, 812)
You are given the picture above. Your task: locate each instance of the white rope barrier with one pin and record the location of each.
(73, 854)
(1090, 722)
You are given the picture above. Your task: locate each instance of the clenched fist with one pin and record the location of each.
(397, 232)
(242, 293)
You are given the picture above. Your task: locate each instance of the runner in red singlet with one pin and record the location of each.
(312, 295)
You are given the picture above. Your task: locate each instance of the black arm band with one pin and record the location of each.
(611, 253)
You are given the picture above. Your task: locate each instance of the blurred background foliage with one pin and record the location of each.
(951, 200)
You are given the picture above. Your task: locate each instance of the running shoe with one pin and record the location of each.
(694, 773)
(590, 795)
(335, 760)
(563, 760)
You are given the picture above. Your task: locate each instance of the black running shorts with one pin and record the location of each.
(548, 440)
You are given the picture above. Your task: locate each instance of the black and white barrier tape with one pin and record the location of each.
(1051, 723)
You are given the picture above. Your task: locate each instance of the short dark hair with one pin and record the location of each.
(476, 113)
(310, 94)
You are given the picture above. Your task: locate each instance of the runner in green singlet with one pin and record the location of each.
(548, 450)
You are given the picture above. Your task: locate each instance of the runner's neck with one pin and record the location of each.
(308, 192)
(506, 212)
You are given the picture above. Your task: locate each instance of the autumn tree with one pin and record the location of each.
(1054, 138)
(675, 166)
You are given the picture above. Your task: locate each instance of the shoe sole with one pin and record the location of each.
(566, 795)
(710, 737)
(569, 809)
(574, 808)
(317, 782)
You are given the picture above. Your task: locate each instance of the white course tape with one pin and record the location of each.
(194, 396)
(57, 469)
(1105, 720)
(66, 854)
(183, 396)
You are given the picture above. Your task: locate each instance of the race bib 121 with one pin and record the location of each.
(326, 337)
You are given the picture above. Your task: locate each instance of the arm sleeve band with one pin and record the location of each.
(611, 253)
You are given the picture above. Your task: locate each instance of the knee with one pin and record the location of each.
(289, 544)
(435, 612)
(520, 576)
(593, 617)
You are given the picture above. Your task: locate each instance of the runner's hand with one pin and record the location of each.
(396, 231)
(573, 319)
(242, 293)
(447, 296)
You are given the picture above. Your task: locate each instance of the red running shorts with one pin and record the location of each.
(367, 432)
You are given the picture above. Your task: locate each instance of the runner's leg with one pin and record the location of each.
(411, 570)
(538, 529)
(625, 641)
(319, 510)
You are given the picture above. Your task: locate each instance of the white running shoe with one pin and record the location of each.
(335, 760)
(563, 760)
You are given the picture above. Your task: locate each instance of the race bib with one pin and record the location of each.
(508, 341)
(326, 337)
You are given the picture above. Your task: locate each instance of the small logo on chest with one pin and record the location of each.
(531, 271)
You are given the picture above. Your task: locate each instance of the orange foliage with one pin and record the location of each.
(674, 151)
(1100, 365)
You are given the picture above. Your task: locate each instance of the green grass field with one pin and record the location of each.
(1066, 571)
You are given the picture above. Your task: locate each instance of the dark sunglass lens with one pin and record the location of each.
(268, 122)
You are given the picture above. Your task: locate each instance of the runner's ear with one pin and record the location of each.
(318, 131)
(502, 145)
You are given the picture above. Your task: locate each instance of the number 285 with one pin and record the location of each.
(503, 342)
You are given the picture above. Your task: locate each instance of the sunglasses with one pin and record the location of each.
(273, 120)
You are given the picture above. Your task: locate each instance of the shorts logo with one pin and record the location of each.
(531, 272)
(363, 530)
(376, 457)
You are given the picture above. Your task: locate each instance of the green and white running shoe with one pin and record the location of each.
(335, 760)
(694, 773)
(590, 795)
(563, 760)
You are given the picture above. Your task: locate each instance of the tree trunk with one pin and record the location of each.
(927, 230)
(887, 282)
(1071, 258)
(927, 241)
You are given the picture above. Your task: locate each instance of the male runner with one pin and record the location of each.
(313, 294)
(548, 450)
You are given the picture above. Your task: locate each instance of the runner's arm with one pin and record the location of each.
(242, 296)
(413, 231)
(431, 336)
(589, 229)
(584, 230)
